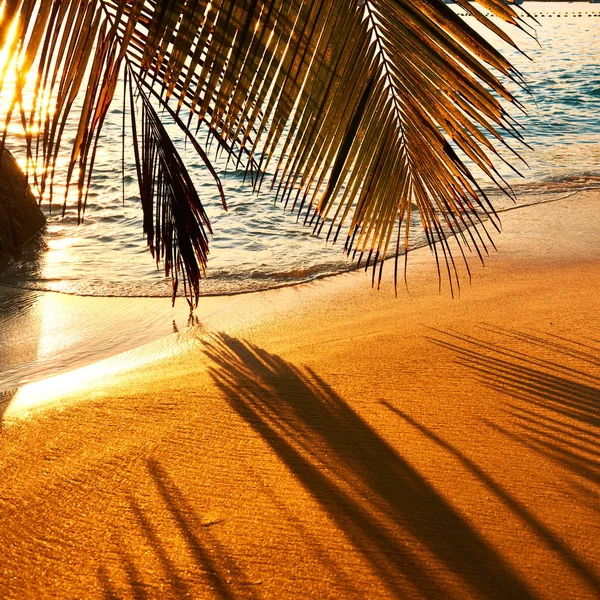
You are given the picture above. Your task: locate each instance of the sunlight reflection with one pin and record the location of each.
(43, 394)
(62, 256)
(55, 333)
(86, 383)
(5, 52)
(28, 115)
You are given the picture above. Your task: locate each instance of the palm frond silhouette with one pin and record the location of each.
(360, 114)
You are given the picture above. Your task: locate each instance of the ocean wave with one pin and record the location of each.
(257, 269)
(559, 184)
(257, 245)
(587, 179)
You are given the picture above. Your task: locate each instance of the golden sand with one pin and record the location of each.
(331, 441)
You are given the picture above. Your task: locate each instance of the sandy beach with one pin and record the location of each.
(331, 441)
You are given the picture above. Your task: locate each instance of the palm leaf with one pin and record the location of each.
(175, 223)
(359, 114)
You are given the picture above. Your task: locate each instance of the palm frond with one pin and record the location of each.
(359, 114)
(175, 222)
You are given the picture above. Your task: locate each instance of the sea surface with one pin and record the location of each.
(257, 244)
(46, 327)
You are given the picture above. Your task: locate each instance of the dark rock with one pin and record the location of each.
(20, 215)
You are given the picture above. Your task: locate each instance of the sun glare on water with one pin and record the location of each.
(79, 385)
(24, 122)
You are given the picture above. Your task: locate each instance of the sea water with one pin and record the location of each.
(257, 244)
(45, 328)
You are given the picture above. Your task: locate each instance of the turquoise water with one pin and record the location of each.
(257, 245)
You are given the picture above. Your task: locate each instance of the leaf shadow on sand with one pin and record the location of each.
(399, 524)
(552, 389)
(212, 571)
(552, 386)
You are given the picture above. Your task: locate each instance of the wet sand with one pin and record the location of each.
(330, 441)
(43, 333)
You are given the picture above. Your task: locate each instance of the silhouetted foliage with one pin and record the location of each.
(359, 112)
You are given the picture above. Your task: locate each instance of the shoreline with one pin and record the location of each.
(87, 335)
(45, 333)
(329, 441)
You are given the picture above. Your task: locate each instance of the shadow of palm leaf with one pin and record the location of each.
(552, 390)
(553, 386)
(407, 532)
(213, 569)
